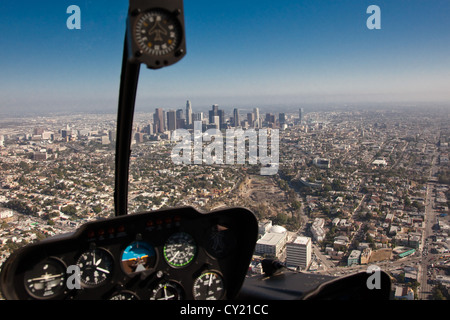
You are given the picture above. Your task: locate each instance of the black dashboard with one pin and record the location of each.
(175, 254)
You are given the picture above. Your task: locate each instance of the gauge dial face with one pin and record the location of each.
(46, 280)
(96, 267)
(208, 286)
(167, 291)
(157, 33)
(138, 256)
(180, 250)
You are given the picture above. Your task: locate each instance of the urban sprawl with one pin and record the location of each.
(354, 187)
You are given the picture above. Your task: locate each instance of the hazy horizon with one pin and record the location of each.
(239, 54)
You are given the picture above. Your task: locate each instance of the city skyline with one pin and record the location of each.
(251, 54)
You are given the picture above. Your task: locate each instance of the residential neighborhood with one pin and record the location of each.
(368, 187)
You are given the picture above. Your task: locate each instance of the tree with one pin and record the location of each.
(97, 209)
(69, 210)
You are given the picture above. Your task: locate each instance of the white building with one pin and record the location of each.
(322, 162)
(317, 229)
(6, 213)
(298, 253)
(264, 226)
(272, 244)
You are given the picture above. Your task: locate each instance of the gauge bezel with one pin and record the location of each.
(104, 281)
(150, 269)
(204, 272)
(60, 292)
(173, 22)
(174, 9)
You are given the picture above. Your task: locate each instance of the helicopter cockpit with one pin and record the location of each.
(170, 254)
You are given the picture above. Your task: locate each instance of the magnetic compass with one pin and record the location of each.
(157, 33)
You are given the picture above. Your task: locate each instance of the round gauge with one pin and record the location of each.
(208, 286)
(179, 250)
(96, 266)
(138, 256)
(167, 291)
(157, 32)
(124, 295)
(46, 280)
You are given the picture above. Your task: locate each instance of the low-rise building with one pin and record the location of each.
(354, 257)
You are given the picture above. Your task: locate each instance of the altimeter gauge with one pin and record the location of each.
(208, 286)
(46, 280)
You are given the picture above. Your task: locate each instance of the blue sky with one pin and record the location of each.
(239, 53)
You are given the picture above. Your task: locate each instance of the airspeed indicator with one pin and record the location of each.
(180, 250)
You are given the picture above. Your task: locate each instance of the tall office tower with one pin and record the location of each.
(171, 120)
(300, 115)
(298, 252)
(180, 114)
(197, 116)
(257, 123)
(251, 119)
(221, 117)
(270, 118)
(237, 120)
(158, 120)
(213, 112)
(217, 122)
(188, 113)
(282, 118)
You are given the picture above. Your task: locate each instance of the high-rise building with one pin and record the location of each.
(251, 119)
(221, 117)
(300, 115)
(257, 122)
(188, 113)
(298, 252)
(270, 118)
(180, 114)
(158, 120)
(215, 111)
(171, 120)
(197, 116)
(282, 118)
(237, 120)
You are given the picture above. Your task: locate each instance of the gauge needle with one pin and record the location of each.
(174, 256)
(102, 270)
(167, 297)
(46, 277)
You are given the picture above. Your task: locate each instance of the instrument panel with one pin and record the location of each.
(176, 254)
